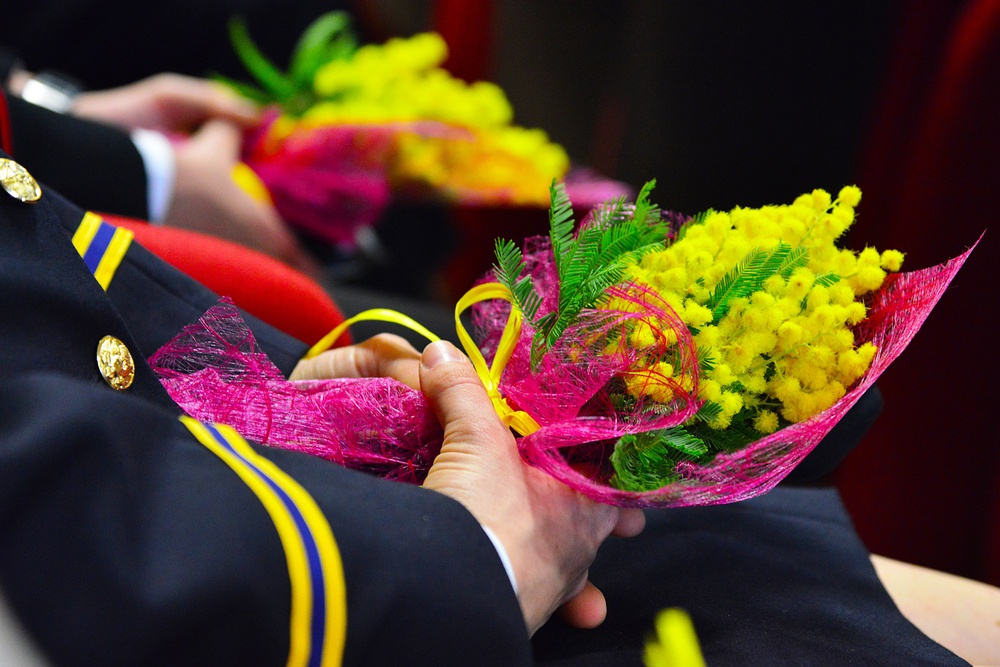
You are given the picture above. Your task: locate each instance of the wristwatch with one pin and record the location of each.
(52, 90)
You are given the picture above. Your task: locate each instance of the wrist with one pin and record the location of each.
(159, 162)
(537, 584)
(51, 90)
(504, 558)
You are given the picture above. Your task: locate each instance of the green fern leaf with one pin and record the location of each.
(507, 270)
(313, 48)
(773, 263)
(610, 213)
(734, 437)
(644, 209)
(509, 261)
(526, 298)
(589, 263)
(683, 441)
(797, 258)
(646, 461)
(561, 224)
(706, 363)
(540, 342)
(750, 274)
(708, 412)
(270, 77)
(734, 284)
(827, 279)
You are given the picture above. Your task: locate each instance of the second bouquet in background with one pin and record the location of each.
(357, 125)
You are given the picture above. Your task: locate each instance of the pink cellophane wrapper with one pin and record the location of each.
(328, 181)
(213, 371)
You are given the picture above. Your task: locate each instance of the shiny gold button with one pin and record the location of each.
(115, 363)
(18, 183)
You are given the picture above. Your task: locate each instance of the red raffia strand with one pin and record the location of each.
(215, 373)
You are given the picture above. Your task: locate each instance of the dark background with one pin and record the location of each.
(724, 103)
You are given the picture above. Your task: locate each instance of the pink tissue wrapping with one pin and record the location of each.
(214, 372)
(328, 181)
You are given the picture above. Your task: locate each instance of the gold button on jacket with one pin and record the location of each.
(115, 363)
(18, 183)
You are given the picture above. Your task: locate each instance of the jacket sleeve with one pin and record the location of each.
(125, 540)
(8, 59)
(130, 537)
(95, 165)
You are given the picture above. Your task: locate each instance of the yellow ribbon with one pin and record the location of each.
(374, 314)
(248, 181)
(520, 421)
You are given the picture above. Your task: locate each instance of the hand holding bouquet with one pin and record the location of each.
(648, 359)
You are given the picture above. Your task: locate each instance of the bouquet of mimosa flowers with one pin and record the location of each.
(718, 355)
(645, 358)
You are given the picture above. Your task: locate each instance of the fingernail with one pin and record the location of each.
(441, 352)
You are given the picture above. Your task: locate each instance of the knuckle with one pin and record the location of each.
(162, 81)
(389, 342)
(474, 427)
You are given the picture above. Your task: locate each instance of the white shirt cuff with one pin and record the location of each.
(158, 159)
(504, 558)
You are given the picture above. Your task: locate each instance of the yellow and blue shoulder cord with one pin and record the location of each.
(102, 246)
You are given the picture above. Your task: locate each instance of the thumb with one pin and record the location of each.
(458, 398)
